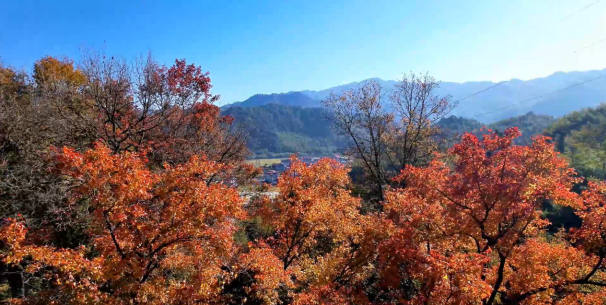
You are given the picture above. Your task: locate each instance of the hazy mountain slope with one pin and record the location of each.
(515, 97)
(289, 99)
(322, 94)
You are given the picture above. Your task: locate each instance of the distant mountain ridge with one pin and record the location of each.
(500, 102)
(289, 99)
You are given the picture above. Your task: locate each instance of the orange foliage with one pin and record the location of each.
(158, 236)
(470, 231)
(12, 83)
(264, 268)
(52, 71)
(467, 229)
(320, 235)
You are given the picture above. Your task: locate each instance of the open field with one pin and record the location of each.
(263, 162)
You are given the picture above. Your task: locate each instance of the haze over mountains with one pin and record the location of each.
(512, 98)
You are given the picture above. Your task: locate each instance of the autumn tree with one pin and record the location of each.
(168, 110)
(360, 115)
(59, 93)
(36, 114)
(129, 106)
(149, 230)
(14, 90)
(472, 232)
(418, 110)
(50, 71)
(389, 130)
(140, 206)
(13, 83)
(466, 229)
(165, 112)
(200, 130)
(34, 119)
(134, 100)
(319, 235)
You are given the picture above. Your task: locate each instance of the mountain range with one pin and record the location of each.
(554, 95)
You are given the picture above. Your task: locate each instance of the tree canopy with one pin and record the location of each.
(121, 183)
(580, 136)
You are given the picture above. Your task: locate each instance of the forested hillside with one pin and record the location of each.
(457, 126)
(530, 125)
(278, 130)
(581, 135)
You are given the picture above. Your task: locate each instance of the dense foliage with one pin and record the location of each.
(466, 229)
(165, 113)
(119, 185)
(580, 135)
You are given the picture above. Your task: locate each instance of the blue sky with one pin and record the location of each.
(254, 47)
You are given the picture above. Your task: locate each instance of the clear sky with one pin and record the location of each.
(254, 47)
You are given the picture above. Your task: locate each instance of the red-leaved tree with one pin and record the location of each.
(469, 229)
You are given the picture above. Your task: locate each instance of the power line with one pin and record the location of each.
(580, 10)
(474, 94)
(539, 96)
(506, 81)
(588, 46)
(577, 51)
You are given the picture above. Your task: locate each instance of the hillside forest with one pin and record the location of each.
(278, 131)
(122, 182)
